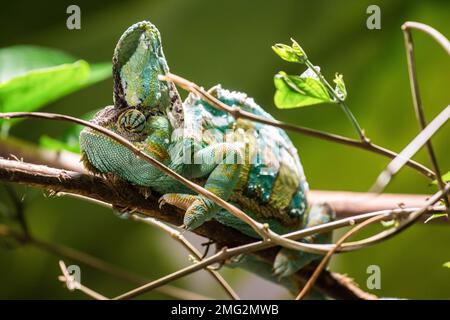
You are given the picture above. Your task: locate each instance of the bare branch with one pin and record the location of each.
(237, 113)
(330, 253)
(115, 193)
(436, 35)
(31, 153)
(73, 285)
(190, 247)
(417, 103)
(410, 150)
(120, 195)
(60, 250)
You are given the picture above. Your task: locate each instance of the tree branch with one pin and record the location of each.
(120, 194)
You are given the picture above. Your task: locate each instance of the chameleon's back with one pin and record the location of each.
(272, 186)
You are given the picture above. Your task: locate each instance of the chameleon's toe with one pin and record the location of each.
(195, 215)
(284, 265)
(182, 201)
(161, 202)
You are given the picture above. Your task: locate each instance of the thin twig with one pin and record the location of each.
(175, 234)
(417, 103)
(190, 247)
(410, 150)
(436, 35)
(73, 285)
(226, 253)
(412, 218)
(96, 263)
(237, 113)
(308, 286)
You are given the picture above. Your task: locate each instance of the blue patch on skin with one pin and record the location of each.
(299, 203)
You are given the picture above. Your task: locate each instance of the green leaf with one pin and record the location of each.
(292, 53)
(435, 216)
(18, 60)
(299, 91)
(31, 77)
(69, 141)
(445, 178)
(446, 265)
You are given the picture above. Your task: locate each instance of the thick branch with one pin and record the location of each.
(346, 204)
(121, 194)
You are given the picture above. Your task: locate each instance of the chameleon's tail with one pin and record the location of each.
(265, 270)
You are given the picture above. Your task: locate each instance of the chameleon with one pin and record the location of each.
(254, 166)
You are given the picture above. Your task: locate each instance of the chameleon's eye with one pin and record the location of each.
(132, 121)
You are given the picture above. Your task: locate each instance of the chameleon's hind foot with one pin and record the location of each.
(196, 214)
(182, 201)
(195, 207)
(289, 261)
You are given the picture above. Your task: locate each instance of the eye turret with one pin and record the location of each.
(132, 121)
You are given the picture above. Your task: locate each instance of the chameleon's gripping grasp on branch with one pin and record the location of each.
(254, 166)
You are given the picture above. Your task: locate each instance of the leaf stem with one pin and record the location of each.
(340, 102)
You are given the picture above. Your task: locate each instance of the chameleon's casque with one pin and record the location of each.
(254, 166)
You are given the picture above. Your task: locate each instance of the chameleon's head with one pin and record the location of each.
(137, 62)
(140, 98)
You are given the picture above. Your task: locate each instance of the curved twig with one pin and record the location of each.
(436, 35)
(417, 101)
(237, 113)
(308, 286)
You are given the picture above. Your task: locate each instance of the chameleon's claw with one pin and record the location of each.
(161, 202)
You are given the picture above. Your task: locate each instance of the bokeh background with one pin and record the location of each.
(229, 42)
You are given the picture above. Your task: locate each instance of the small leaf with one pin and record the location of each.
(340, 89)
(292, 53)
(446, 265)
(299, 91)
(435, 216)
(445, 178)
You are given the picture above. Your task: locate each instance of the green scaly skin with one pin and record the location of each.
(253, 166)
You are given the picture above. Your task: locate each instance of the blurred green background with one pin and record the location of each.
(229, 42)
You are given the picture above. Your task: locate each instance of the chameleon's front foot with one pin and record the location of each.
(197, 210)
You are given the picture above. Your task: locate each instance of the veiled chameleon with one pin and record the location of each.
(254, 166)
